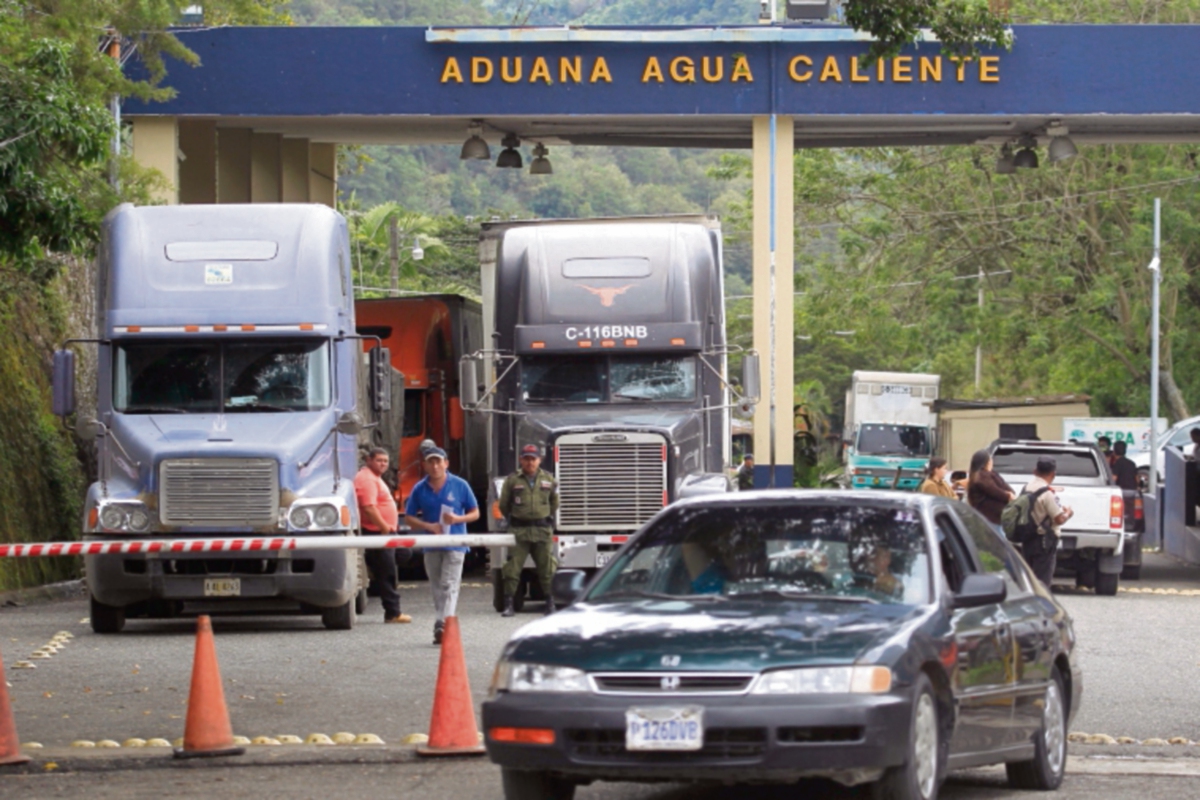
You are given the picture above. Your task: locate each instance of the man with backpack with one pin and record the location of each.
(1036, 519)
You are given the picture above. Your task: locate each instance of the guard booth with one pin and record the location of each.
(965, 426)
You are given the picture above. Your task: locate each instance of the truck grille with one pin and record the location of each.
(229, 492)
(609, 482)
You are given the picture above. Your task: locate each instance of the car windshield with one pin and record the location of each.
(893, 440)
(233, 377)
(1071, 463)
(835, 551)
(601, 379)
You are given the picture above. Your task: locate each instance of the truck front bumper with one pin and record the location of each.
(323, 578)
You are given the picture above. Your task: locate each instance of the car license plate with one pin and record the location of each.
(222, 587)
(664, 728)
(602, 559)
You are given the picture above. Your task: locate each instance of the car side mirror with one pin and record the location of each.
(63, 383)
(981, 590)
(567, 586)
(349, 424)
(468, 383)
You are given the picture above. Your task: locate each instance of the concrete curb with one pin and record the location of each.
(43, 594)
(67, 759)
(1107, 765)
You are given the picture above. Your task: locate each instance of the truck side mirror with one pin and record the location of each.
(379, 363)
(63, 383)
(349, 424)
(89, 429)
(751, 389)
(468, 383)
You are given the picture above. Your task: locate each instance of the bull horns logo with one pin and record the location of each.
(608, 293)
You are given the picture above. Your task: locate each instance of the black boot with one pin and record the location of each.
(508, 606)
(549, 607)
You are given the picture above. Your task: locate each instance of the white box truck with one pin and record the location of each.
(889, 428)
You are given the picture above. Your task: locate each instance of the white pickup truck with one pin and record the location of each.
(1094, 544)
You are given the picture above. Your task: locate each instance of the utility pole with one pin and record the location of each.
(114, 180)
(1156, 272)
(394, 254)
(979, 336)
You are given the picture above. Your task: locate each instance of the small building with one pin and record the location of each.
(965, 426)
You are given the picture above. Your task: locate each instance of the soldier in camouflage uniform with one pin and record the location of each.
(529, 500)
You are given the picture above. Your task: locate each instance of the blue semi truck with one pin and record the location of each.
(231, 399)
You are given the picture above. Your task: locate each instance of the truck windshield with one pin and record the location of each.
(617, 379)
(233, 377)
(893, 440)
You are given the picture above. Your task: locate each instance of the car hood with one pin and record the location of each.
(736, 635)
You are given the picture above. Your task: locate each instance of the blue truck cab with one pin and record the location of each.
(229, 404)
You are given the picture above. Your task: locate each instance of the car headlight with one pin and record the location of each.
(825, 680)
(299, 517)
(326, 516)
(517, 677)
(112, 517)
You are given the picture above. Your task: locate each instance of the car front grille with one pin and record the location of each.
(719, 743)
(609, 482)
(670, 683)
(224, 492)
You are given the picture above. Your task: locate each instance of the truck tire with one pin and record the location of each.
(1106, 583)
(522, 784)
(339, 618)
(107, 619)
(360, 601)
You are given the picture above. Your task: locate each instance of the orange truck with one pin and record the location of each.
(426, 335)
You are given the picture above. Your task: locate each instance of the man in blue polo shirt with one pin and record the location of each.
(442, 503)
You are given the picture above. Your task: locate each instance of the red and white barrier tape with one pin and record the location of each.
(252, 544)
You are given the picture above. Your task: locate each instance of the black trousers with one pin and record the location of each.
(382, 566)
(1040, 560)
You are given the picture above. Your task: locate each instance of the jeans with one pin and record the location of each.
(382, 566)
(445, 579)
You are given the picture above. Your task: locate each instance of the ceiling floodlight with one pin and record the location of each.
(540, 164)
(475, 147)
(1061, 148)
(1026, 158)
(509, 157)
(1004, 162)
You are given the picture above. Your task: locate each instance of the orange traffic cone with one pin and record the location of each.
(452, 729)
(10, 746)
(207, 731)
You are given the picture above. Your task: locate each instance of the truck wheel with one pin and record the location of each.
(497, 590)
(360, 601)
(339, 618)
(1106, 583)
(522, 784)
(107, 619)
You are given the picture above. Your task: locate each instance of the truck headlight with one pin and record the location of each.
(139, 520)
(299, 517)
(326, 516)
(825, 680)
(518, 677)
(112, 517)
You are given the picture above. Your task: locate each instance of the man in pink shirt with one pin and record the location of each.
(379, 517)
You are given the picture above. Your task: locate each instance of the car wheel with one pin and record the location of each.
(525, 785)
(340, 618)
(107, 619)
(1106, 583)
(1045, 771)
(920, 775)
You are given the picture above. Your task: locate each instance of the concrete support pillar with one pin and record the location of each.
(265, 183)
(233, 165)
(293, 170)
(777, 366)
(322, 174)
(155, 145)
(198, 165)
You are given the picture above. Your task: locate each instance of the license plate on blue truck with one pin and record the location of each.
(666, 728)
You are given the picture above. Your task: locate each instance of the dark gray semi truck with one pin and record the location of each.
(608, 351)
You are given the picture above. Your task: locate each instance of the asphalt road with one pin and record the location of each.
(287, 675)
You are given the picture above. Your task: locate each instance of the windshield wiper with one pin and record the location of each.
(155, 410)
(256, 407)
(790, 594)
(640, 397)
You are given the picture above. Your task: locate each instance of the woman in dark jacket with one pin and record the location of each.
(987, 492)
